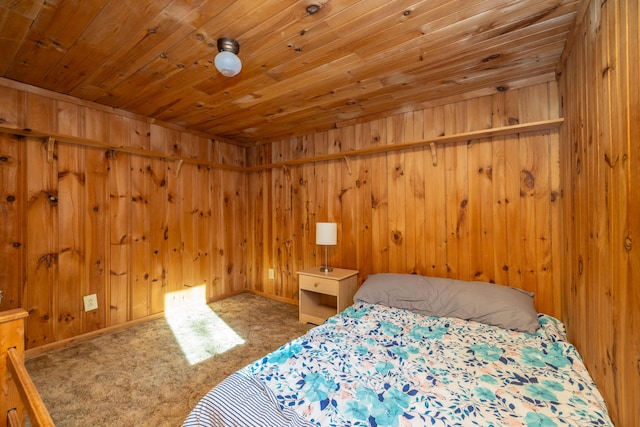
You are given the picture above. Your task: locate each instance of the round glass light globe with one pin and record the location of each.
(228, 63)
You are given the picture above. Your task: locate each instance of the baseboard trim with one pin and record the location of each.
(273, 297)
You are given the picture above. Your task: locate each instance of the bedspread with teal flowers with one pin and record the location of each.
(373, 365)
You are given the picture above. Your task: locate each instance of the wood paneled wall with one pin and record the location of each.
(600, 162)
(486, 209)
(141, 232)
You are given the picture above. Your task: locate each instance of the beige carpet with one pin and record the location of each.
(154, 373)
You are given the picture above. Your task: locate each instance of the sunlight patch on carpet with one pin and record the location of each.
(200, 333)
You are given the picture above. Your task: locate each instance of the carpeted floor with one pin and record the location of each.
(152, 374)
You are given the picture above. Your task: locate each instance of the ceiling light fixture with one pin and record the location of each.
(227, 61)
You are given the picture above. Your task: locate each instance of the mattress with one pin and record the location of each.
(375, 365)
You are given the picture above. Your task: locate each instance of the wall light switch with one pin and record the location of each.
(90, 302)
(271, 274)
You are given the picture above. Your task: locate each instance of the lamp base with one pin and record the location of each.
(326, 269)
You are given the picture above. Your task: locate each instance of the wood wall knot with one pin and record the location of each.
(628, 244)
(580, 266)
(49, 260)
(528, 179)
(66, 317)
(609, 161)
(488, 171)
(491, 58)
(347, 161)
(73, 252)
(342, 193)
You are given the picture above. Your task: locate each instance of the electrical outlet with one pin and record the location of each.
(271, 274)
(90, 302)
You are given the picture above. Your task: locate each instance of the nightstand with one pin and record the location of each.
(324, 294)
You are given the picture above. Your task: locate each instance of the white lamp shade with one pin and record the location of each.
(326, 233)
(228, 63)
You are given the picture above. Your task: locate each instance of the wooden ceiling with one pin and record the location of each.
(348, 62)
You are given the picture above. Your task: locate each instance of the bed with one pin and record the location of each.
(416, 351)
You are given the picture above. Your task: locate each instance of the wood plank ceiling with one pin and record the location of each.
(302, 72)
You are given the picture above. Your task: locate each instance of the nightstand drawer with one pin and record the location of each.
(319, 284)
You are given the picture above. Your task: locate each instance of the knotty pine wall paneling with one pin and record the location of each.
(71, 219)
(140, 223)
(285, 235)
(95, 125)
(360, 168)
(13, 204)
(600, 164)
(456, 200)
(143, 233)
(185, 215)
(234, 207)
(415, 242)
(158, 232)
(175, 228)
(435, 217)
(40, 286)
(379, 197)
(258, 246)
(348, 199)
(120, 224)
(307, 187)
(482, 209)
(299, 225)
(397, 185)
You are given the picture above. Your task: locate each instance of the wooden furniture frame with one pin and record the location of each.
(324, 294)
(17, 389)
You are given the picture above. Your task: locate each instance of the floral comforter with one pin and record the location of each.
(373, 365)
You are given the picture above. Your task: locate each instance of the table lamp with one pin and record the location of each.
(326, 234)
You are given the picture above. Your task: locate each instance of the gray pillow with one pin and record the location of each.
(496, 305)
